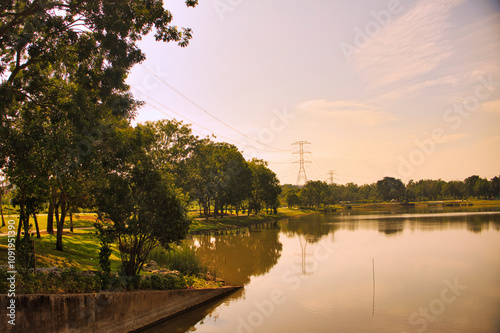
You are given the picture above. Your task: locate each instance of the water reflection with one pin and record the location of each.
(237, 257)
(184, 323)
(411, 257)
(391, 227)
(313, 230)
(395, 222)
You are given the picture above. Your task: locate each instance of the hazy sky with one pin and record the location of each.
(409, 89)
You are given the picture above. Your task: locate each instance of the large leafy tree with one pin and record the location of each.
(391, 188)
(146, 211)
(265, 187)
(315, 193)
(63, 66)
(171, 145)
(218, 173)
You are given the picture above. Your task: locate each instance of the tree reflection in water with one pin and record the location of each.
(237, 257)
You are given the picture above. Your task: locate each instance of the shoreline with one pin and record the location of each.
(233, 222)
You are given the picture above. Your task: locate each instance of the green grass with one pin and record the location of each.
(80, 220)
(233, 221)
(81, 251)
(81, 248)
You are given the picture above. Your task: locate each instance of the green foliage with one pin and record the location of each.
(145, 210)
(265, 186)
(67, 281)
(218, 172)
(179, 258)
(315, 193)
(106, 239)
(72, 281)
(164, 282)
(4, 283)
(391, 188)
(63, 98)
(26, 253)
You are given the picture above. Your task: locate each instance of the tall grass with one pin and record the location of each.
(181, 258)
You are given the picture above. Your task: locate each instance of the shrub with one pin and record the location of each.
(179, 258)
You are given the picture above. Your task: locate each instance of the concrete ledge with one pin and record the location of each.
(103, 312)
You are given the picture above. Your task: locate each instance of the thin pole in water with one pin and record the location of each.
(373, 269)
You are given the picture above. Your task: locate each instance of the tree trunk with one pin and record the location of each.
(60, 222)
(71, 221)
(36, 226)
(19, 225)
(1, 207)
(216, 206)
(50, 216)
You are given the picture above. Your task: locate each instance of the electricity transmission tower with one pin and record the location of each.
(330, 174)
(301, 151)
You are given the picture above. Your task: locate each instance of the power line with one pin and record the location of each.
(197, 124)
(205, 111)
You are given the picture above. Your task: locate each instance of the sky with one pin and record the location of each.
(401, 88)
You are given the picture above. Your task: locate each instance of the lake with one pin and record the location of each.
(379, 271)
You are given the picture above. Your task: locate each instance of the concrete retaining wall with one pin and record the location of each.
(104, 312)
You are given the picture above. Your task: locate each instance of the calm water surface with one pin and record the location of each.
(376, 272)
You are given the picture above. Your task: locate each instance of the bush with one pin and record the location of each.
(66, 281)
(179, 258)
(74, 281)
(163, 282)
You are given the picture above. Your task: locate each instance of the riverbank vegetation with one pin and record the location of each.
(67, 143)
(320, 194)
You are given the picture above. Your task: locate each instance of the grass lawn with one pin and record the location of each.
(81, 251)
(81, 248)
(233, 221)
(80, 220)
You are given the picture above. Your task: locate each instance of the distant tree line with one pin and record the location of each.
(319, 193)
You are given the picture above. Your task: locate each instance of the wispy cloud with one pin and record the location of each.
(492, 106)
(408, 90)
(412, 45)
(352, 112)
(454, 137)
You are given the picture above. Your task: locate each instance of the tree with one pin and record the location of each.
(146, 211)
(231, 176)
(292, 199)
(482, 188)
(265, 186)
(454, 189)
(36, 31)
(314, 193)
(171, 145)
(390, 188)
(470, 182)
(495, 186)
(218, 173)
(65, 64)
